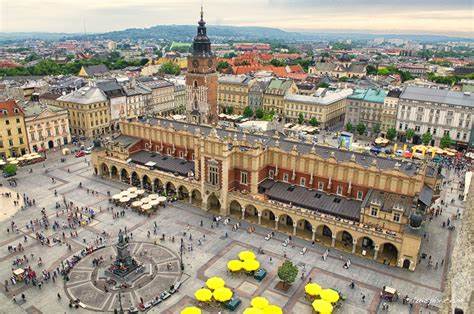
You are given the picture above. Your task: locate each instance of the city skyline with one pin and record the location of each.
(402, 17)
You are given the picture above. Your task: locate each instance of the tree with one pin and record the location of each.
(9, 170)
(391, 133)
(313, 121)
(229, 110)
(349, 127)
(371, 70)
(426, 138)
(222, 65)
(248, 112)
(259, 113)
(287, 273)
(323, 85)
(376, 129)
(409, 134)
(446, 141)
(230, 55)
(301, 118)
(170, 68)
(361, 128)
(343, 79)
(277, 63)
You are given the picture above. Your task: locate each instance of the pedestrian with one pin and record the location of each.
(59, 296)
(23, 297)
(363, 298)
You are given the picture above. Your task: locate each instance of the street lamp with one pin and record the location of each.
(181, 255)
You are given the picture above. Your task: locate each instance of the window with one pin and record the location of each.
(320, 185)
(373, 212)
(339, 190)
(271, 173)
(285, 177)
(417, 128)
(303, 181)
(10, 141)
(243, 177)
(181, 154)
(21, 140)
(213, 174)
(9, 132)
(360, 195)
(396, 217)
(7, 122)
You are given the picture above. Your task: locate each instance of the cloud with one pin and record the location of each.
(453, 16)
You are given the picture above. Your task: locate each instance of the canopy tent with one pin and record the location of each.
(223, 294)
(253, 310)
(322, 306)
(329, 295)
(246, 255)
(312, 289)
(259, 302)
(191, 310)
(251, 265)
(215, 282)
(203, 295)
(273, 309)
(235, 265)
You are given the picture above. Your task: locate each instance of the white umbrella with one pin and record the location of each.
(14, 162)
(137, 204)
(117, 196)
(153, 203)
(124, 193)
(146, 207)
(153, 196)
(11, 159)
(2, 163)
(145, 200)
(21, 158)
(161, 199)
(140, 192)
(132, 195)
(124, 199)
(132, 189)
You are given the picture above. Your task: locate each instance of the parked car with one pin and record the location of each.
(80, 153)
(8, 175)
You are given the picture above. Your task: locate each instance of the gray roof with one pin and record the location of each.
(126, 141)
(235, 79)
(163, 162)
(325, 152)
(96, 69)
(426, 195)
(85, 95)
(312, 200)
(34, 108)
(434, 95)
(388, 201)
(111, 88)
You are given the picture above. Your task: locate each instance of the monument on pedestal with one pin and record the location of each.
(124, 263)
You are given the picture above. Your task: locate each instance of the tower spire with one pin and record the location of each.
(202, 12)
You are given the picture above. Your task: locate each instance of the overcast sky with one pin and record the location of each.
(453, 17)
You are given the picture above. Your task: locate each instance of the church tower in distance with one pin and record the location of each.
(201, 79)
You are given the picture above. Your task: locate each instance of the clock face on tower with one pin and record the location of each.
(195, 63)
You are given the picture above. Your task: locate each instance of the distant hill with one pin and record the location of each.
(185, 33)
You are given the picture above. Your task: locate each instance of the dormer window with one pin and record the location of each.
(396, 217)
(374, 211)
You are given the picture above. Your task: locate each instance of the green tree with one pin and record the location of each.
(376, 129)
(287, 273)
(259, 113)
(9, 170)
(371, 70)
(229, 110)
(445, 141)
(170, 68)
(248, 112)
(391, 133)
(301, 118)
(222, 65)
(361, 128)
(313, 121)
(426, 138)
(277, 63)
(230, 55)
(409, 134)
(343, 79)
(323, 85)
(349, 127)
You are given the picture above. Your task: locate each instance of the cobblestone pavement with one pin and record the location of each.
(205, 260)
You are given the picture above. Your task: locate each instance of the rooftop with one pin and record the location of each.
(235, 79)
(435, 95)
(85, 95)
(325, 97)
(163, 162)
(370, 95)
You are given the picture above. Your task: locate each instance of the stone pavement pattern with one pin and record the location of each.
(205, 260)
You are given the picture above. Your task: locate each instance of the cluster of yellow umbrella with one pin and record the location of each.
(215, 288)
(327, 296)
(260, 305)
(247, 261)
(191, 310)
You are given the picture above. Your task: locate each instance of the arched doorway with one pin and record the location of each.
(196, 198)
(406, 263)
(157, 186)
(251, 213)
(388, 254)
(344, 241)
(324, 233)
(104, 169)
(213, 204)
(366, 247)
(124, 176)
(135, 179)
(50, 144)
(114, 172)
(146, 181)
(304, 229)
(235, 209)
(183, 193)
(170, 189)
(285, 223)
(268, 218)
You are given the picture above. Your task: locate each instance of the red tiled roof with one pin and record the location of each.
(9, 107)
(9, 64)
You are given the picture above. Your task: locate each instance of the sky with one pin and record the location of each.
(447, 17)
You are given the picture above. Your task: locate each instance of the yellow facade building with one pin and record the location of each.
(233, 92)
(13, 137)
(275, 92)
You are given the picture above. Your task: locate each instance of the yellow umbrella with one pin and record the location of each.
(322, 306)
(312, 289)
(203, 295)
(273, 309)
(251, 265)
(259, 302)
(329, 295)
(191, 310)
(234, 265)
(215, 282)
(253, 310)
(223, 294)
(246, 255)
